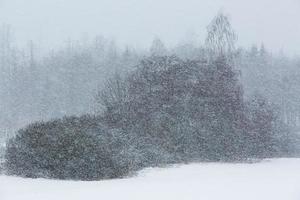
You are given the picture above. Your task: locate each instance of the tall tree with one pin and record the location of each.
(221, 38)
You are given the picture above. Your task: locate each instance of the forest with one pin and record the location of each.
(95, 110)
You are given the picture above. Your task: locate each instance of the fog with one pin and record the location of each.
(137, 22)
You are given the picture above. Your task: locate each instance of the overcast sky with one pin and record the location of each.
(137, 22)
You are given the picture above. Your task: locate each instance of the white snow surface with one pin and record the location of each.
(277, 179)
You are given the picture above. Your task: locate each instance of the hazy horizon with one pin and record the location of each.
(137, 22)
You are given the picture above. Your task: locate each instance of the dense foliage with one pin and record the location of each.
(71, 148)
(195, 110)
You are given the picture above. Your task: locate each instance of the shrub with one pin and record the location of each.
(190, 109)
(70, 148)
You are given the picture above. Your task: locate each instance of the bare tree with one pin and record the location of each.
(221, 37)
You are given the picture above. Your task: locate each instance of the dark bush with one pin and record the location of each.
(193, 110)
(71, 148)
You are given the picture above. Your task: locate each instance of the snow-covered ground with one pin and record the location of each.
(270, 180)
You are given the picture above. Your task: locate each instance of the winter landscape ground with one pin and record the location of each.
(276, 179)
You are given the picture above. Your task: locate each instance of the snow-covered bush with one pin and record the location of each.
(71, 148)
(190, 109)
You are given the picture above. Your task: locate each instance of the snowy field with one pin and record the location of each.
(269, 180)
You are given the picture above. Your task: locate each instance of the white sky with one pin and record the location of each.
(137, 22)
